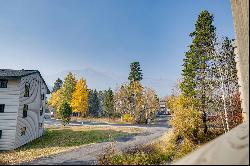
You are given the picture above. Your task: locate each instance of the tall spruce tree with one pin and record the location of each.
(135, 72)
(101, 98)
(197, 62)
(94, 104)
(108, 103)
(57, 84)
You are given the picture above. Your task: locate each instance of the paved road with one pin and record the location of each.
(87, 154)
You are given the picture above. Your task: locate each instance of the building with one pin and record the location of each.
(163, 110)
(22, 105)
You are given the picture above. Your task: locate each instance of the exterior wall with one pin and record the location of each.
(34, 102)
(10, 97)
(240, 10)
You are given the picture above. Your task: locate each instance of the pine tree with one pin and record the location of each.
(135, 72)
(101, 101)
(197, 63)
(79, 102)
(65, 112)
(57, 85)
(68, 87)
(108, 103)
(94, 104)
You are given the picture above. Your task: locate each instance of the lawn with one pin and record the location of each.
(59, 139)
(101, 119)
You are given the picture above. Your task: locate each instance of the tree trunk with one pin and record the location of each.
(223, 124)
(224, 102)
(204, 119)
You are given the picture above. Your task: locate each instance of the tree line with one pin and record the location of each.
(207, 96)
(131, 101)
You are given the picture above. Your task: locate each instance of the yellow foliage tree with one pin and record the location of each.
(151, 103)
(55, 100)
(186, 119)
(79, 102)
(135, 103)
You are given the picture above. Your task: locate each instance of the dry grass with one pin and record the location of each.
(101, 119)
(60, 139)
(164, 150)
(161, 151)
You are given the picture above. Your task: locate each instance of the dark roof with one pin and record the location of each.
(17, 74)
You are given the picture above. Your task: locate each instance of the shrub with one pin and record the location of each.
(186, 146)
(106, 157)
(127, 118)
(186, 119)
(155, 153)
(65, 112)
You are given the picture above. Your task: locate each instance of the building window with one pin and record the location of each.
(2, 107)
(3, 83)
(40, 125)
(23, 131)
(25, 110)
(1, 134)
(42, 96)
(41, 111)
(27, 90)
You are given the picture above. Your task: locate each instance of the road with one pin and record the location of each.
(88, 154)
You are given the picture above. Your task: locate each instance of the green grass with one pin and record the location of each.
(56, 140)
(69, 138)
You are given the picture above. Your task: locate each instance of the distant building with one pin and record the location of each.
(22, 107)
(163, 110)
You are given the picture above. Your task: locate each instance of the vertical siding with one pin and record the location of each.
(34, 102)
(8, 119)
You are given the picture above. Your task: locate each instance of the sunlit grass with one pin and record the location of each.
(59, 139)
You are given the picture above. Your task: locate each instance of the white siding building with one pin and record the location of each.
(22, 105)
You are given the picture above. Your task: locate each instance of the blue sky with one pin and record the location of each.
(104, 35)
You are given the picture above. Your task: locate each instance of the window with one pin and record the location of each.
(0, 134)
(2, 107)
(3, 83)
(27, 90)
(40, 125)
(41, 111)
(23, 131)
(42, 96)
(25, 110)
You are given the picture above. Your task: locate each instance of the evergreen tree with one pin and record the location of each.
(197, 63)
(135, 72)
(101, 98)
(65, 112)
(57, 85)
(94, 104)
(108, 103)
(79, 102)
(68, 87)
